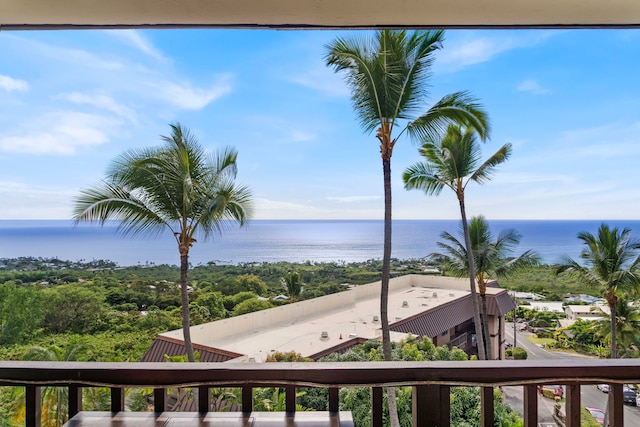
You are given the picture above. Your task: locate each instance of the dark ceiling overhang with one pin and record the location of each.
(52, 14)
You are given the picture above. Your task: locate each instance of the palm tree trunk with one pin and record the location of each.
(485, 325)
(614, 350)
(184, 295)
(472, 283)
(384, 287)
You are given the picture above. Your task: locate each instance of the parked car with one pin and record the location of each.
(603, 387)
(557, 390)
(598, 414)
(629, 395)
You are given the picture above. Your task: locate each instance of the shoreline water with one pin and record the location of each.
(282, 240)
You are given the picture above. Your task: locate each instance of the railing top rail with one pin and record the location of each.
(484, 373)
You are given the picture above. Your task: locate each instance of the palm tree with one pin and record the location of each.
(178, 187)
(492, 258)
(627, 325)
(388, 76)
(611, 263)
(54, 400)
(293, 282)
(453, 162)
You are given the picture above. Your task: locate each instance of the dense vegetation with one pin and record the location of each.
(113, 314)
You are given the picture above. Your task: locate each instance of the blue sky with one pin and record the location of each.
(568, 101)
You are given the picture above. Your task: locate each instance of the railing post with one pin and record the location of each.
(487, 416)
(530, 405)
(376, 406)
(334, 400)
(431, 406)
(204, 399)
(572, 406)
(75, 400)
(159, 400)
(117, 399)
(247, 399)
(616, 405)
(33, 404)
(290, 402)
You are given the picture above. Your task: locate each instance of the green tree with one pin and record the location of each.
(492, 258)
(177, 187)
(611, 263)
(388, 76)
(73, 308)
(251, 305)
(21, 312)
(627, 326)
(54, 400)
(292, 282)
(251, 283)
(453, 161)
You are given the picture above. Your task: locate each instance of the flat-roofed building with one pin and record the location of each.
(422, 305)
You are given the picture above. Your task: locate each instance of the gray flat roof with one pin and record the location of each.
(350, 314)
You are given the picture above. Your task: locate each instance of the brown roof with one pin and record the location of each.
(340, 348)
(500, 304)
(171, 347)
(431, 323)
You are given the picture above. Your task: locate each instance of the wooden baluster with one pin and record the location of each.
(159, 400)
(33, 402)
(75, 400)
(431, 406)
(616, 405)
(334, 400)
(247, 399)
(487, 417)
(530, 405)
(572, 406)
(117, 399)
(376, 407)
(290, 403)
(204, 399)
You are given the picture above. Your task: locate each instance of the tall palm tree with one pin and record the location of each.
(492, 258)
(453, 161)
(178, 187)
(388, 75)
(611, 263)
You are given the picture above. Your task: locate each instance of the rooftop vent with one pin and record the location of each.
(435, 295)
(353, 335)
(451, 295)
(398, 317)
(324, 335)
(405, 304)
(376, 319)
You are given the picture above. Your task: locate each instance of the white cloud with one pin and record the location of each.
(532, 86)
(103, 102)
(135, 39)
(10, 84)
(60, 133)
(301, 136)
(351, 199)
(192, 98)
(23, 201)
(324, 80)
(475, 49)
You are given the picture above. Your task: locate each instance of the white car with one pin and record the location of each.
(603, 387)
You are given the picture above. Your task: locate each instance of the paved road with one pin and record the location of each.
(590, 396)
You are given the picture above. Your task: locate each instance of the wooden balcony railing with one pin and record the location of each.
(431, 382)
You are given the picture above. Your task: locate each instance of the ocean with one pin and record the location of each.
(280, 240)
